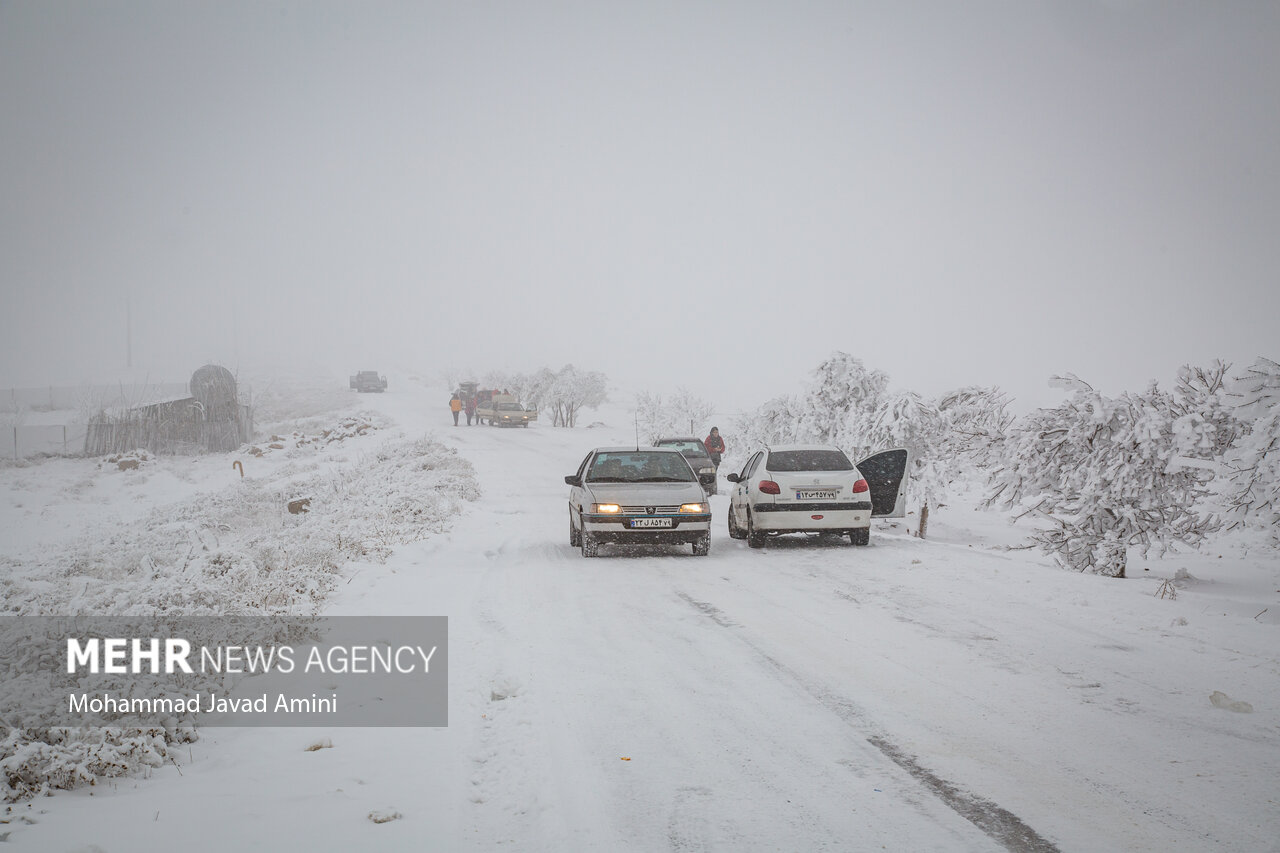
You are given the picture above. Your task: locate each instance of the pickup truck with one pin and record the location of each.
(368, 380)
(503, 410)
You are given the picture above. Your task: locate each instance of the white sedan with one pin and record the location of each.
(639, 496)
(805, 488)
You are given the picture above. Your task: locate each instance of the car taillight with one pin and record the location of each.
(768, 487)
(861, 486)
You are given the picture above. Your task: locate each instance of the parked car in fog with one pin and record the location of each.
(699, 459)
(368, 380)
(806, 488)
(629, 495)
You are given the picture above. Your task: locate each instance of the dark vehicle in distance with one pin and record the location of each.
(368, 380)
(695, 453)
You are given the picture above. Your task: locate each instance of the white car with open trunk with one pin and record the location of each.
(807, 488)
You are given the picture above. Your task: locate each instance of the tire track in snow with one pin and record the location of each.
(998, 823)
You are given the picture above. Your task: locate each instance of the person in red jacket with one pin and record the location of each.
(715, 446)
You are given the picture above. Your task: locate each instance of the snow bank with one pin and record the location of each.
(257, 557)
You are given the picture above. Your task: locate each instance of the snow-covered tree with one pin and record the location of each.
(680, 413)
(1102, 474)
(975, 420)
(841, 402)
(1207, 423)
(906, 419)
(1253, 461)
(572, 390)
(772, 423)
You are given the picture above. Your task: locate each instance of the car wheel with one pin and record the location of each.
(574, 536)
(754, 539)
(590, 547)
(860, 536)
(735, 532)
(702, 546)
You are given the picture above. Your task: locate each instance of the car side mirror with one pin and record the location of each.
(733, 478)
(573, 480)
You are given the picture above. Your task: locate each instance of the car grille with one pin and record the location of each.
(657, 510)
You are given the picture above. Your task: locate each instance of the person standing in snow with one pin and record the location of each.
(715, 446)
(470, 409)
(455, 406)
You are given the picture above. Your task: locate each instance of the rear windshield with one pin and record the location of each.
(639, 466)
(808, 460)
(692, 447)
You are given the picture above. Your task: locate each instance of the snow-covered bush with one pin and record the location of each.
(1253, 461)
(681, 413)
(974, 422)
(1102, 475)
(573, 390)
(563, 393)
(234, 560)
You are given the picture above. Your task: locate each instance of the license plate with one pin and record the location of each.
(651, 522)
(815, 495)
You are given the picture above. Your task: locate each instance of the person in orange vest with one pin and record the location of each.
(455, 406)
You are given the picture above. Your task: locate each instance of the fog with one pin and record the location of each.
(712, 195)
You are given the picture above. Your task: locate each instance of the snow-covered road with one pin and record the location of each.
(910, 695)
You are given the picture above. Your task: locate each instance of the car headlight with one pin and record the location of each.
(707, 470)
(698, 507)
(605, 508)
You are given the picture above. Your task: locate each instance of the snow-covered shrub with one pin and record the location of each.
(1253, 461)
(974, 422)
(681, 413)
(573, 390)
(1102, 475)
(235, 560)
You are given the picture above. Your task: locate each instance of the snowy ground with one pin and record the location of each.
(939, 695)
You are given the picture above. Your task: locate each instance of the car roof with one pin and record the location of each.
(787, 448)
(680, 438)
(633, 449)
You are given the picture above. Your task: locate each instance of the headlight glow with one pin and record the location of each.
(605, 508)
(700, 507)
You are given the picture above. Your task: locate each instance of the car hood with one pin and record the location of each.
(645, 494)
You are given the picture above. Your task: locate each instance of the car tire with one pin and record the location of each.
(860, 536)
(735, 532)
(574, 536)
(702, 546)
(590, 548)
(754, 539)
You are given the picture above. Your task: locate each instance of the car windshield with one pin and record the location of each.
(808, 460)
(689, 447)
(509, 407)
(639, 466)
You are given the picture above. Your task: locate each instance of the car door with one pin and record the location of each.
(886, 475)
(741, 496)
(577, 492)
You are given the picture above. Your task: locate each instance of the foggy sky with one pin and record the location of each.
(714, 195)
